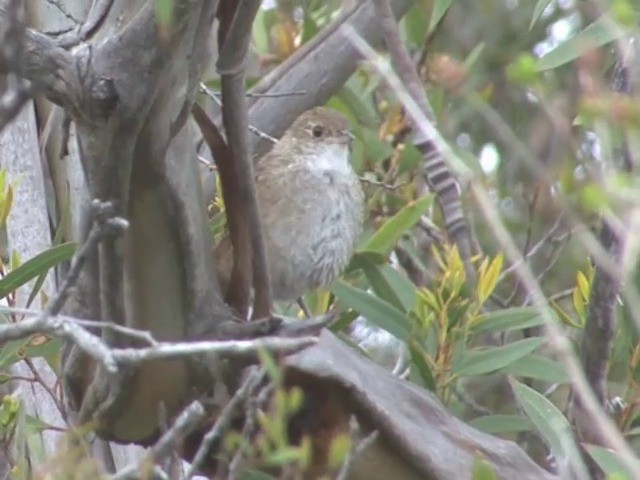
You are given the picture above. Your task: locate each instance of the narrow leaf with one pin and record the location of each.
(508, 319)
(597, 34)
(610, 463)
(421, 366)
(488, 281)
(538, 367)
(537, 12)
(490, 359)
(35, 266)
(56, 241)
(374, 309)
(551, 424)
(386, 237)
(439, 9)
(501, 424)
(381, 286)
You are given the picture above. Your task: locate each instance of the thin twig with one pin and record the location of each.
(255, 404)
(215, 96)
(226, 348)
(224, 420)
(40, 381)
(62, 9)
(533, 250)
(358, 447)
(100, 229)
(186, 422)
(133, 333)
(99, 11)
(386, 186)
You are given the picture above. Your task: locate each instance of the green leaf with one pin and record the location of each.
(388, 234)
(404, 288)
(537, 12)
(439, 9)
(415, 25)
(551, 424)
(539, 368)
(344, 321)
(10, 353)
(422, 367)
(597, 34)
(493, 424)
(609, 462)
(374, 309)
(381, 286)
(490, 359)
(508, 319)
(36, 266)
(361, 260)
(390, 285)
(57, 238)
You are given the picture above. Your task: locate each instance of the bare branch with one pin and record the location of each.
(102, 226)
(224, 419)
(97, 14)
(50, 69)
(238, 291)
(224, 348)
(186, 422)
(63, 328)
(235, 118)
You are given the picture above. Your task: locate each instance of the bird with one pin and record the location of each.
(311, 206)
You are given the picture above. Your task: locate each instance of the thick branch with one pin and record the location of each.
(50, 69)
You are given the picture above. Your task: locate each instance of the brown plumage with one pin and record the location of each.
(311, 205)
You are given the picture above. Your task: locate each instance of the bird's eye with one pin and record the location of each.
(317, 131)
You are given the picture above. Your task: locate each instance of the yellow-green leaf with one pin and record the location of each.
(579, 304)
(7, 202)
(482, 470)
(583, 285)
(487, 283)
